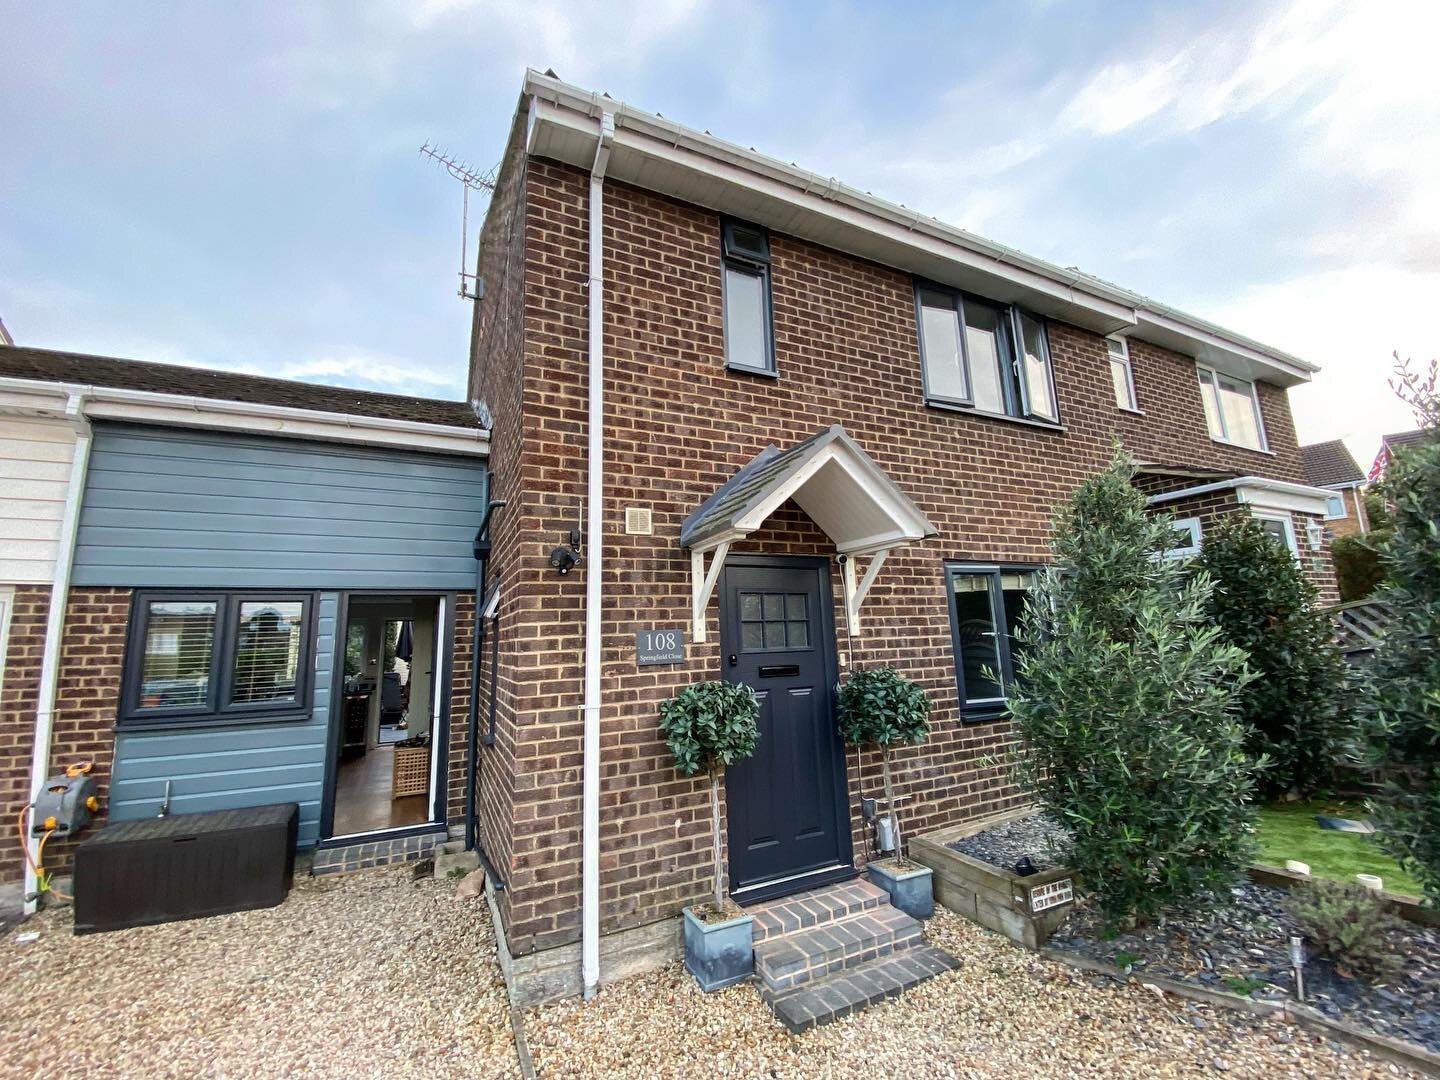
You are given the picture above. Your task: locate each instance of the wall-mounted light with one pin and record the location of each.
(562, 559)
(1315, 533)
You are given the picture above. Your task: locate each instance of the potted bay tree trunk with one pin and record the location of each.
(708, 726)
(880, 707)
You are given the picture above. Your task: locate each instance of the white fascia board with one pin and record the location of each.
(1257, 492)
(660, 155)
(213, 414)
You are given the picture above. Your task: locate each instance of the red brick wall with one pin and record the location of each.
(678, 425)
(498, 335)
(462, 653)
(19, 686)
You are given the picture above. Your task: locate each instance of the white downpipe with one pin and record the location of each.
(55, 624)
(595, 517)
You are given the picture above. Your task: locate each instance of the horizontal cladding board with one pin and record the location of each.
(26, 449)
(13, 509)
(40, 490)
(33, 429)
(202, 509)
(34, 528)
(27, 571)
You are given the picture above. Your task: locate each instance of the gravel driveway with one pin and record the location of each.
(374, 974)
(1006, 1012)
(368, 975)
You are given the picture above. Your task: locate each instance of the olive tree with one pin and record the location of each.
(1125, 706)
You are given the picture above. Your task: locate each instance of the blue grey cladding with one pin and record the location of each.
(222, 767)
(188, 509)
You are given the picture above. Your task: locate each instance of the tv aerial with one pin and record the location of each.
(470, 180)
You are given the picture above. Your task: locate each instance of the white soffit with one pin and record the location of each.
(1259, 493)
(659, 155)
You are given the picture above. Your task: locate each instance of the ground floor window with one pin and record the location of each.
(1281, 528)
(205, 656)
(986, 603)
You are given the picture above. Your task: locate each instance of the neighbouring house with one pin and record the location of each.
(751, 423)
(1391, 443)
(270, 596)
(1329, 465)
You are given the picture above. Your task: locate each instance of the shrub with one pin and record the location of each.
(1404, 676)
(1125, 706)
(1348, 924)
(707, 726)
(1294, 709)
(1357, 564)
(881, 706)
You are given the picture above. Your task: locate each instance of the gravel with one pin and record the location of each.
(1037, 836)
(1246, 946)
(366, 975)
(1005, 1012)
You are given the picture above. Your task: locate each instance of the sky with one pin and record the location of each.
(239, 185)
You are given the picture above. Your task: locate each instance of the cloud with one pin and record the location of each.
(372, 371)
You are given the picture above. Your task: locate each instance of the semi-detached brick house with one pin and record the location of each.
(832, 434)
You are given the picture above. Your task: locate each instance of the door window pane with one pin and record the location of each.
(979, 639)
(940, 341)
(179, 644)
(1035, 369)
(986, 349)
(773, 621)
(267, 652)
(746, 327)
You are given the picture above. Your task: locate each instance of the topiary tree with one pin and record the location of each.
(1125, 707)
(708, 726)
(1296, 707)
(1357, 564)
(883, 707)
(1403, 698)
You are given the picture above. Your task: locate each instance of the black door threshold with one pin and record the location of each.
(773, 890)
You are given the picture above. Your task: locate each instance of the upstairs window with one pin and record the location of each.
(205, 656)
(1334, 507)
(1232, 409)
(1122, 376)
(745, 269)
(982, 356)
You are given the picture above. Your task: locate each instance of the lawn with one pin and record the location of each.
(1288, 831)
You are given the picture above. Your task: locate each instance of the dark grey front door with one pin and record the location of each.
(789, 826)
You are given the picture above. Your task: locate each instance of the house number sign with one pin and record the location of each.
(659, 647)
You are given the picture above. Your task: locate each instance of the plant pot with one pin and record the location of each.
(719, 954)
(911, 886)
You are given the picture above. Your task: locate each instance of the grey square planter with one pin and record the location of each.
(719, 954)
(911, 890)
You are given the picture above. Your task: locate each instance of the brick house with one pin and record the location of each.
(827, 432)
(241, 559)
(1330, 466)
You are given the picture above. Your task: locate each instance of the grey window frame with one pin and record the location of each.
(756, 263)
(996, 708)
(1133, 405)
(1013, 385)
(217, 708)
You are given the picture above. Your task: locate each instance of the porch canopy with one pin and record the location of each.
(836, 483)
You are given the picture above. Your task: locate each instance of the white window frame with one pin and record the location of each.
(1123, 358)
(1214, 390)
(1287, 521)
(1192, 526)
(1329, 499)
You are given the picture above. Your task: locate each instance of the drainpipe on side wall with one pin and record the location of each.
(595, 513)
(55, 624)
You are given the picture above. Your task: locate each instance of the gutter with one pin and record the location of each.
(594, 569)
(220, 414)
(55, 625)
(1259, 483)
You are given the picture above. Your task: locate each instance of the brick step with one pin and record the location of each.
(812, 954)
(855, 988)
(815, 908)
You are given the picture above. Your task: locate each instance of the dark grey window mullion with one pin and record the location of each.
(221, 651)
(1017, 394)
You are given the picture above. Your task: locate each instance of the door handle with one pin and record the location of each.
(734, 660)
